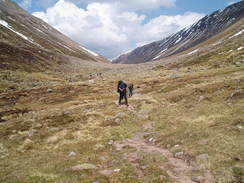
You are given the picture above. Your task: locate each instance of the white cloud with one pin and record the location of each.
(41, 15)
(122, 4)
(164, 26)
(107, 29)
(25, 4)
(133, 4)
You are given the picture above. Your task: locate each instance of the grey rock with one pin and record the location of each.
(110, 142)
(198, 179)
(38, 125)
(85, 166)
(102, 158)
(238, 63)
(83, 175)
(179, 154)
(176, 148)
(174, 75)
(98, 147)
(106, 172)
(237, 93)
(117, 170)
(118, 117)
(151, 140)
(201, 98)
(203, 161)
(72, 154)
(26, 145)
(209, 178)
(168, 146)
(32, 132)
(144, 114)
(49, 90)
(14, 131)
(54, 129)
(239, 127)
(144, 167)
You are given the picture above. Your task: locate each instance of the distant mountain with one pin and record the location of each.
(199, 32)
(28, 43)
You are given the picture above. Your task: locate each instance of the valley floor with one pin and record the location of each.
(182, 125)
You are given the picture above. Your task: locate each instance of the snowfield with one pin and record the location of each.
(195, 51)
(156, 57)
(89, 51)
(5, 24)
(237, 34)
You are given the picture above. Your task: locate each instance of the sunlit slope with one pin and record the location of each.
(29, 44)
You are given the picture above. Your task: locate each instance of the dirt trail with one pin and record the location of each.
(177, 169)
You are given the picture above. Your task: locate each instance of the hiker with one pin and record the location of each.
(130, 87)
(121, 89)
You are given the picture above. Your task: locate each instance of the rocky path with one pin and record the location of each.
(177, 169)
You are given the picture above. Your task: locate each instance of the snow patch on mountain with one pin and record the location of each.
(45, 27)
(122, 54)
(89, 51)
(5, 24)
(156, 57)
(67, 47)
(217, 43)
(178, 40)
(39, 30)
(193, 52)
(237, 34)
(164, 50)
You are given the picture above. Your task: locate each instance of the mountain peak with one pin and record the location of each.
(199, 32)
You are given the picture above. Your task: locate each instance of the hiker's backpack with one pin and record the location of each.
(119, 83)
(123, 86)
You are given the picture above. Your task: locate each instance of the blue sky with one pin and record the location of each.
(111, 27)
(201, 6)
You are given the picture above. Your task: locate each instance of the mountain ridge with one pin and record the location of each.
(199, 32)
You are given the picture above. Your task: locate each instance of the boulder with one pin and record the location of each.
(237, 94)
(203, 161)
(201, 98)
(26, 145)
(72, 154)
(144, 114)
(106, 172)
(198, 179)
(179, 155)
(85, 166)
(49, 90)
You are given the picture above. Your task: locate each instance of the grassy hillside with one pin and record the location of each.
(29, 44)
(76, 132)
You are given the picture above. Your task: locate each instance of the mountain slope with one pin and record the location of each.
(199, 32)
(28, 41)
